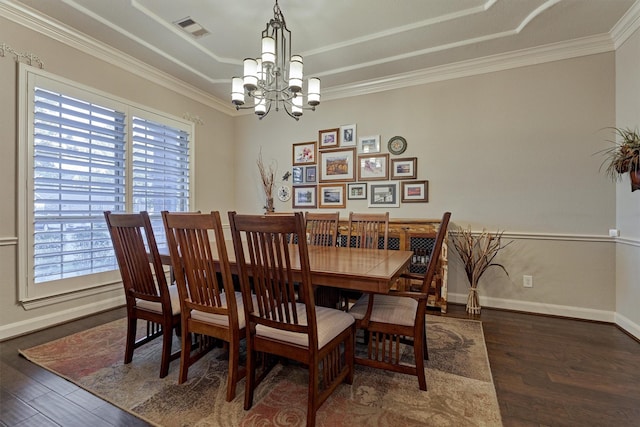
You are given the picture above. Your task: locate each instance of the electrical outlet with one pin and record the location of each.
(527, 281)
(614, 232)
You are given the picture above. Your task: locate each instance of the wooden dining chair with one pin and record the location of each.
(209, 305)
(322, 228)
(366, 229)
(390, 318)
(318, 337)
(147, 294)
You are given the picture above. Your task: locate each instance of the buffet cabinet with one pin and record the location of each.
(417, 235)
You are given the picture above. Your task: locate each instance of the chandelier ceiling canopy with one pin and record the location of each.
(275, 79)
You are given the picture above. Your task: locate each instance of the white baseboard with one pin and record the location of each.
(46, 321)
(553, 309)
(628, 325)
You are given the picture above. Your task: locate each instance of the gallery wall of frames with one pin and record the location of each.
(341, 166)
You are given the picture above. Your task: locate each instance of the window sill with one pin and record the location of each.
(44, 301)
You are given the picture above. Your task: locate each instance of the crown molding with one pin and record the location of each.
(51, 28)
(627, 25)
(607, 42)
(489, 64)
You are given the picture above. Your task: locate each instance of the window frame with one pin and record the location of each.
(31, 294)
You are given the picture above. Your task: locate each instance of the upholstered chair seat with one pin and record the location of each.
(330, 322)
(157, 307)
(220, 319)
(387, 309)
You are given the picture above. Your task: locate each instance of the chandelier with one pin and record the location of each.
(275, 79)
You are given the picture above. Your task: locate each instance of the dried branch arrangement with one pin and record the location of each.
(267, 174)
(477, 252)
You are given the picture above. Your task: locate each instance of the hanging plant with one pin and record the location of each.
(623, 157)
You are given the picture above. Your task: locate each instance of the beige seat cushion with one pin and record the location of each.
(387, 309)
(221, 319)
(330, 323)
(157, 307)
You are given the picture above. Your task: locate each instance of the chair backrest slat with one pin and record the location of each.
(322, 228)
(275, 268)
(194, 262)
(435, 254)
(365, 230)
(137, 254)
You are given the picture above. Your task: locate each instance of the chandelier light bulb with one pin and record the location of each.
(268, 51)
(313, 91)
(261, 74)
(237, 91)
(295, 73)
(250, 74)
(296, 105)
(260, 107)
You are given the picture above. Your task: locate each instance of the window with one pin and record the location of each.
(82, 153)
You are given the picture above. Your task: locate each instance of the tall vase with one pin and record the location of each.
(473, 302)
(269, 206)
(635, 179)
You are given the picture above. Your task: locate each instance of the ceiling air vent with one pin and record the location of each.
(192, 27)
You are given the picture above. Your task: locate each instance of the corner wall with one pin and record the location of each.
(627, 202)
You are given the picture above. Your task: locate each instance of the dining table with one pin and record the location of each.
(336, 267)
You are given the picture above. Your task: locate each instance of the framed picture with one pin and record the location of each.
(383, 195)
(374, 167)
(329, 138)
(304, 153)
(357, 191)
(370, 144)
(332, 196)
(404, 168)
(298, 175)
(415, 191)
(348, 136)
(337, 165)
(304, 196)
(310, 172)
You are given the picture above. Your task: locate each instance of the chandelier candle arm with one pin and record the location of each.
(275, 79)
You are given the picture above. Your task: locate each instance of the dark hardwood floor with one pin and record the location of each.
(547, 372)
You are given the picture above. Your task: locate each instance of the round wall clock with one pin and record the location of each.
(397, 145)
(284, 193)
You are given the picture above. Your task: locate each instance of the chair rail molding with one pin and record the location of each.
(8, 241)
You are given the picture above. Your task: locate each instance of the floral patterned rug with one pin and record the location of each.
(460, 387)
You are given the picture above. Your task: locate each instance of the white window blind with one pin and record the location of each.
(160, 170)
(81, 152)
(78, 172)
(160, 167)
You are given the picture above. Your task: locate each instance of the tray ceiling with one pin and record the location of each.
(353, 46)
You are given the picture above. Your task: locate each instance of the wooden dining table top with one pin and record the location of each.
(366, 270)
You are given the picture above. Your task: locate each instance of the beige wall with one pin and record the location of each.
(627, 202)
(510, 150)
(214, 159)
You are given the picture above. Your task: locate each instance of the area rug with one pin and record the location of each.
(460, 387)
